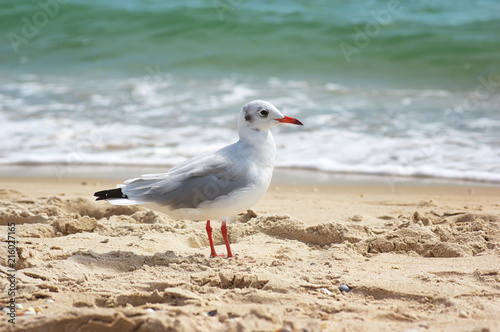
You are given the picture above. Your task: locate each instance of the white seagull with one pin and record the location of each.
(213, 185)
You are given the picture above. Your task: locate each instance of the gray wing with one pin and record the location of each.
(195, 181)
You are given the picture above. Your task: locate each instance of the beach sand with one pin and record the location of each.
(415, 258)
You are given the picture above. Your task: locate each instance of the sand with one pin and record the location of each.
(415, 259)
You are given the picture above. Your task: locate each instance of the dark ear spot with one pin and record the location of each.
(248, 117)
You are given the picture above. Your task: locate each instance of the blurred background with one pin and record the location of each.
(394, 89)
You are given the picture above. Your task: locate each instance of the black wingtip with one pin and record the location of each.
(111, 193)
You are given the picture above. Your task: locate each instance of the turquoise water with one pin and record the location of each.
(418, 43)
(387, 87)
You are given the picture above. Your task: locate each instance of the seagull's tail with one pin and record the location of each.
(115, 197)
(111, 193)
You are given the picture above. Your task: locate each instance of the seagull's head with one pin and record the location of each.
(261, 115)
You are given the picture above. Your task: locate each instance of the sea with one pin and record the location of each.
(397, 89)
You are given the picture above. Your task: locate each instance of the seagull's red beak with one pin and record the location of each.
(288, 119)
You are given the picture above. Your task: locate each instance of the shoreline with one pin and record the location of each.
(282, 175)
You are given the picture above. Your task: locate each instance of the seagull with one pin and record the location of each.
(213, 185)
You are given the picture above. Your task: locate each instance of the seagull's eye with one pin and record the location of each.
(264, 113)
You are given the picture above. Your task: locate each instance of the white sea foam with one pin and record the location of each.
(125, 122)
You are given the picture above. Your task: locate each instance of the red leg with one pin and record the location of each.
(226, 240)
(210, 240)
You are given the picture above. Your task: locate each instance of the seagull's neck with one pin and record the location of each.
(262, 142)
(255, 137)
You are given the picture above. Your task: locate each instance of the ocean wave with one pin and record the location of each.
(399, 132)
